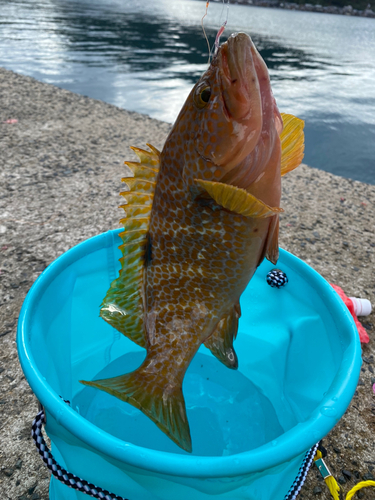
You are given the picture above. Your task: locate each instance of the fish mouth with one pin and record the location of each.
(237, 58)
(238, 64)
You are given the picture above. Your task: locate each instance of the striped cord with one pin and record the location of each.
(61, 474)
(302, 474)
(75, 482)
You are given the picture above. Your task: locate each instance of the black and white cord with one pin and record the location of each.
(302, 474)
(61, 474)
(75, 482)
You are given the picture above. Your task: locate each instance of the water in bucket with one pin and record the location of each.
(221, 403)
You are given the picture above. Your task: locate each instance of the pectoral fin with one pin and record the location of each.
(221, 341)
(292, 143)
(237, 200)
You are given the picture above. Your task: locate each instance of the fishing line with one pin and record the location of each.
(219, 33)
(204, 32)
(222, 28)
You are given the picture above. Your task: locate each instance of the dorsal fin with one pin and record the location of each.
(151, 158)
(122, 307)
(292, 143)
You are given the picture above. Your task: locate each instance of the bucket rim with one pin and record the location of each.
(290, 444)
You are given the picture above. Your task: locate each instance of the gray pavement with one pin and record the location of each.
(60, 171)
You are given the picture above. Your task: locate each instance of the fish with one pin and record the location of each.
(200, 217)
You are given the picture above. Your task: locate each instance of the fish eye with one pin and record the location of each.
(206, 94)
(202, 96)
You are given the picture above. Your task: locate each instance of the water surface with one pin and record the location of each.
(220, 404)
(145, 56)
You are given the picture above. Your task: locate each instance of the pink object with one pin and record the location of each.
(11, 121)
(373, 388)
(363, 337)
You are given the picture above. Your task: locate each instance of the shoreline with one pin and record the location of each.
(348, 10)
(62, 161)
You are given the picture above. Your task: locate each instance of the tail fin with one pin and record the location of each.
(164, 405)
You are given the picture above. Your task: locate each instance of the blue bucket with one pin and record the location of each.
(299, 362)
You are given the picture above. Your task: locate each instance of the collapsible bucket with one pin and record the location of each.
(299, 362)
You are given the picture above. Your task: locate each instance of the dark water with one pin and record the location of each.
(145, 56)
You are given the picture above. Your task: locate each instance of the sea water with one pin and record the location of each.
(227, 413)
(146, 56)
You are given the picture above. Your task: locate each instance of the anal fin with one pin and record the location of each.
(272, 243)
(220, 342)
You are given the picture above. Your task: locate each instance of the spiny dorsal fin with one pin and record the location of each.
(238, 200)
(139, 185)
(142, 171)
(151, 158)
(122, 307)
(292, 143)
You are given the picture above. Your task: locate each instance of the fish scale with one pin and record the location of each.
(199, 218)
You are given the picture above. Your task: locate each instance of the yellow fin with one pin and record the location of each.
(134, 198)
(148, 157)
(292, 143)
(122, 306)
(159, 399)
(136, 210)
(155, 150)
(139, 185)
(142, 171)
(136, 223)
(238, 200)
(138, 235)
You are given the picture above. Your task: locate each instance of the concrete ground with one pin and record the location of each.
(61, 165)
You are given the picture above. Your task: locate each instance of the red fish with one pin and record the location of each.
(199, 219)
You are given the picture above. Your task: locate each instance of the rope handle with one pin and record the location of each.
(302, 474)
(75, 482)
(61, 474)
